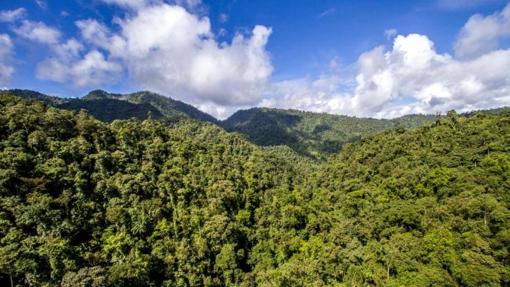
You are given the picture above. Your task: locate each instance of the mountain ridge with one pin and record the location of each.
(315, 135)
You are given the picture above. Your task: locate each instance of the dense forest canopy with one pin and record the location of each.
(184, 203)
(315, 135)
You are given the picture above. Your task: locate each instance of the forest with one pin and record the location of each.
(154, 200)
(314, 135)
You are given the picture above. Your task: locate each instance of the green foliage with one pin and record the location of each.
(316, 135)
(144, 203)
(108, 107)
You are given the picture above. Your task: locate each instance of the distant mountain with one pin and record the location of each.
(109, 106)
(33, 95)
(312, 134)
(168, 107)
(315, 135)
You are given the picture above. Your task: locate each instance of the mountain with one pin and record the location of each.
(166, 106)
(313, 134)
(142, 203)
(109, 106)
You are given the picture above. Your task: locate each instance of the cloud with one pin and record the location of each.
(133, 4)
(69, 60)
(463, 4)
(190, 4)
(38, 31)
(42, 4)
(139, 4)
(482, 34)
(223, 18)
(93, 69)
(321, 95)
(163, 48)
(327, 12)
(169, 50)
(390, 33)
(12, 15)
(94, 32)
(411, 77)
(6, 49)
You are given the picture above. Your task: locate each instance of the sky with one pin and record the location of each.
(372, 58)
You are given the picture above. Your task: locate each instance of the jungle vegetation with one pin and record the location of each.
(137, 202)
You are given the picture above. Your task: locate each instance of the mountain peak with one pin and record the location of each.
(101, 94)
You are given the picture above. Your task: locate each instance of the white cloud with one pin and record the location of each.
(390, 33)
(12, 15)
(6, 48)
(94, 32)
(93, 69)
(139, 4)
(168, 50)
(412, 77)
(482, 34)
(463, 4)
(409, 78)
(38, 31)
(190, 4)
(163, 48)
(133, 4)
(327, 12)
(317, 95)
(42, 4)
(72, 62)
(68, 62)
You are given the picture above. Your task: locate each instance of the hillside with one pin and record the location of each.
(166, 106)
(311, 134)
(109, 106)
(135, 203)
(314, 134)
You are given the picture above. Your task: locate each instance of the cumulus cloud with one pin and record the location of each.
(163, 48)
(322, 95)
(434, 82)
(169, 50)
(69, 60)
(6, 48)
(482, 34)
(12, 15)
(92, 69)
(411, 77)
(94, 32)
(38, 31)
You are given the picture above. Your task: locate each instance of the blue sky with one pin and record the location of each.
(365, 58)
